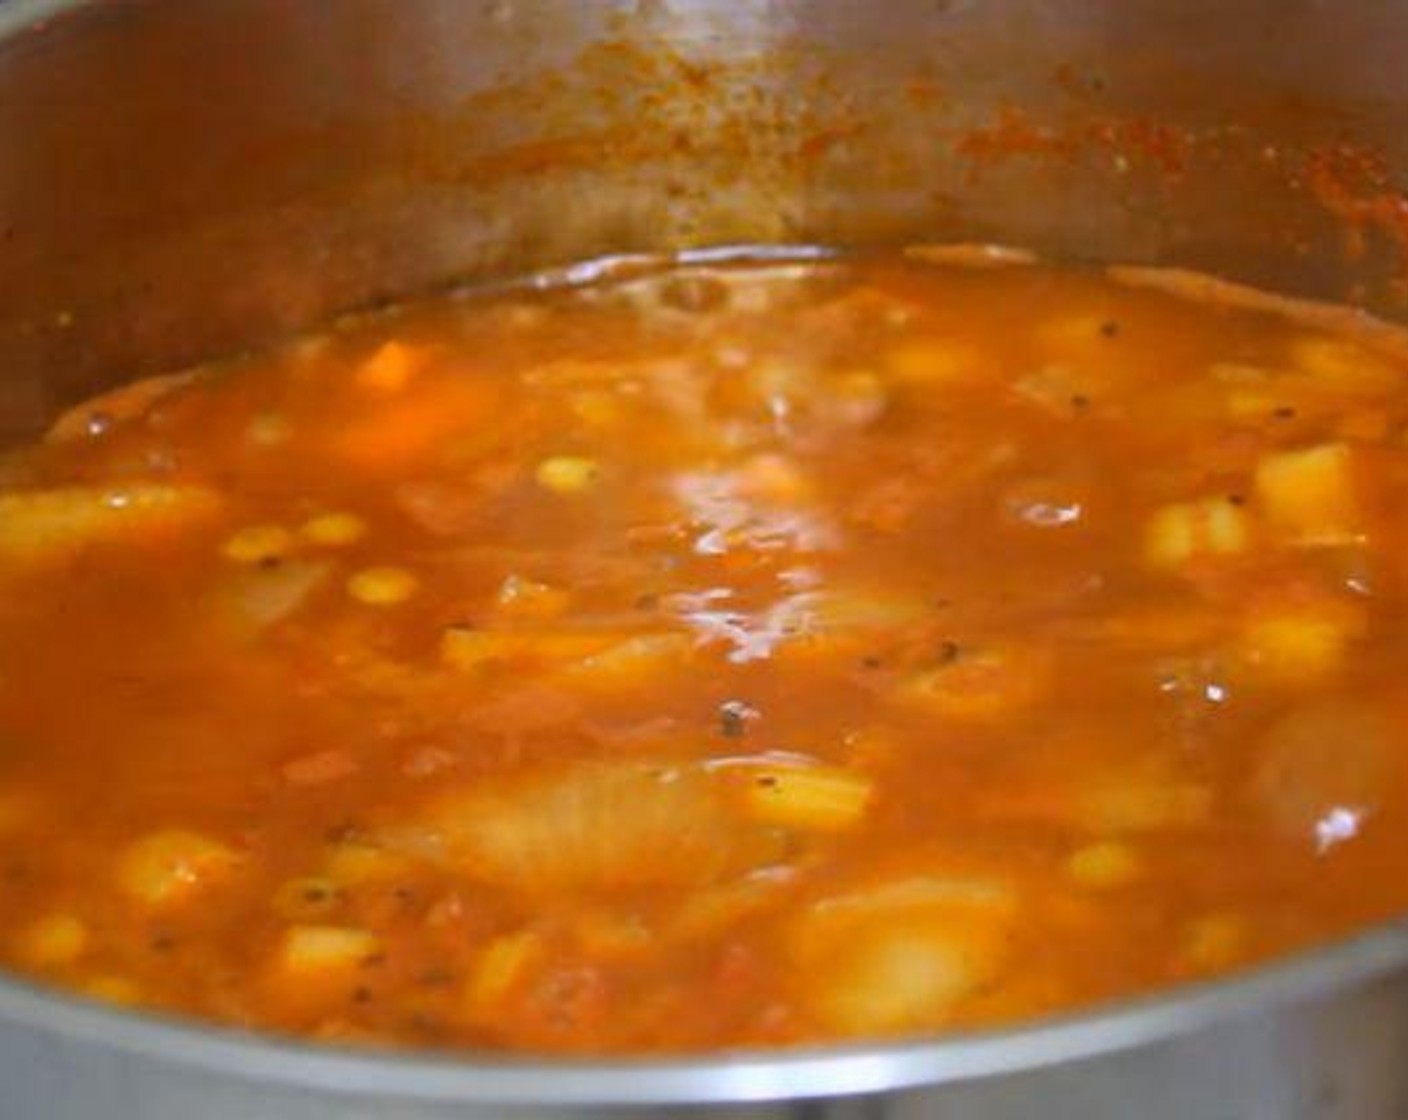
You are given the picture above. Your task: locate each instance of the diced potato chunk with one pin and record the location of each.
(820, 798)
(1363, 425)
(318, 949)
(1077, 336)
(774, 478)
(54, 941)
(268, 430)
(1345, 367)
(471, 650)
(521, 597)
(597, 408)
(397, 433)
(1102, 800)
(1215, 940)
(1310, 497)
(632, 662)
(248, 601)
(1059, 388)
(1104, 865)
(858, 397)
(16, 809)
(932, 361)
(898, 979)
(900, 956)
(980, 684)
(389, 369)
(171, 865)
(502, 967)
(121, 991)
(1187, 531)
(36, 524)
(1247, 403)
(1301, 642)
(353, 864)
(1144, 803)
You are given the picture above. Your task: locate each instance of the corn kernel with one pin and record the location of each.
(316, 948)
(164, 867)
(333, 530)
(808, 797)
(255, 544)
(1104, 866)
(382, 587)
(54, 941)
(568, 474)
(1309, 496)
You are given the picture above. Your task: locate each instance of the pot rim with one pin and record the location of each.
(726, 1077)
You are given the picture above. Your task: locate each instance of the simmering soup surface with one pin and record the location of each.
(713, 655)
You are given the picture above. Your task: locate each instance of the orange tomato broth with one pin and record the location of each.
(716, 655)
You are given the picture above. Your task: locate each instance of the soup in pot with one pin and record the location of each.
(685, 656)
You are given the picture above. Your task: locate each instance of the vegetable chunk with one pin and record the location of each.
(1310, 496)
(899, 956)
(594, 828)
(172, 865)
(37, 525)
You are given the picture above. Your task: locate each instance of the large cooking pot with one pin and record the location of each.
(182, 178)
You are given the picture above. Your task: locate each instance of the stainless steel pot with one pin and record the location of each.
(180, 178)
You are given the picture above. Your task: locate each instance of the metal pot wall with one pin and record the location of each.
(180, 179)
